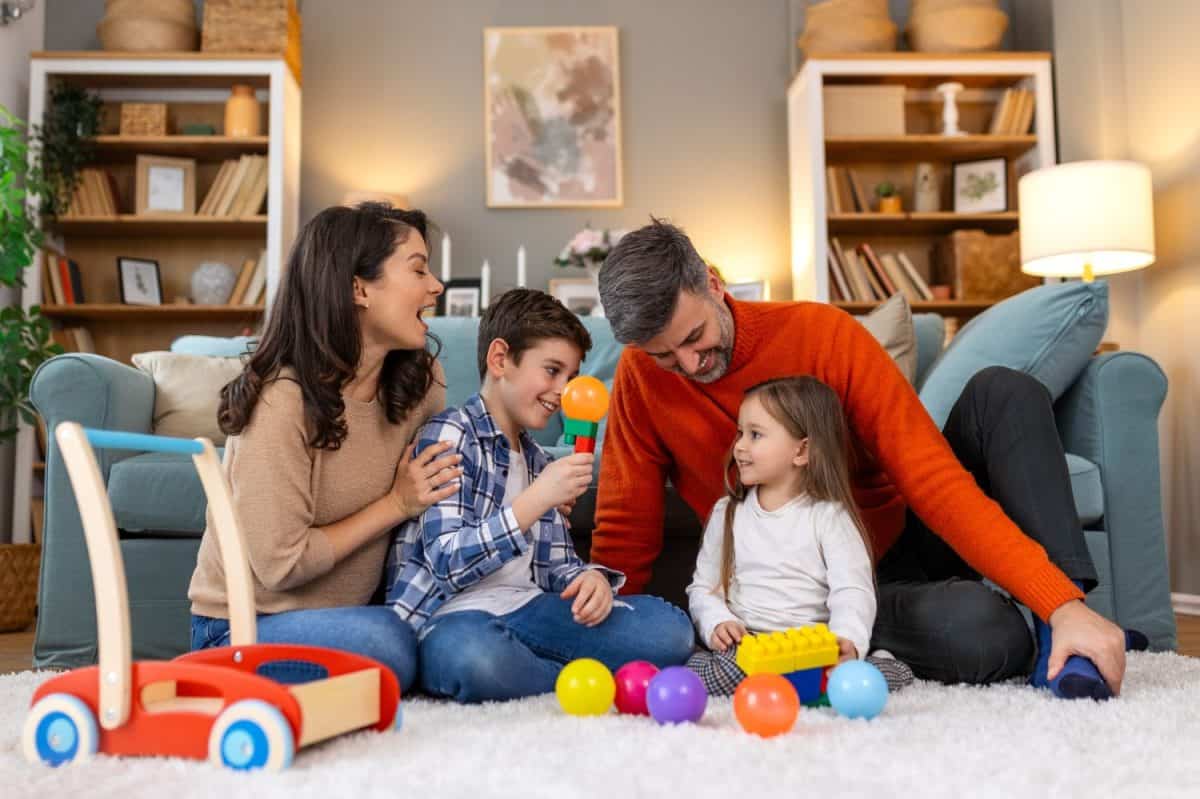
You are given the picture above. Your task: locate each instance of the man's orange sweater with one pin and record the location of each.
(662, 425)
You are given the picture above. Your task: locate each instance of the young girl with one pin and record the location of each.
(786, 548)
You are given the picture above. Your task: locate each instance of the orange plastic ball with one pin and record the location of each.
(585, 398)
(766, 705)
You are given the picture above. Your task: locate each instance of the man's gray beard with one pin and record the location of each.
(723, 352)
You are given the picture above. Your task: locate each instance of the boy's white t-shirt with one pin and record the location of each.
(801, 564)
(511, 586)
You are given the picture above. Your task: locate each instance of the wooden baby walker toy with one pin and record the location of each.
(218, 704)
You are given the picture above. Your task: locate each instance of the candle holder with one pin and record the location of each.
(949, 92)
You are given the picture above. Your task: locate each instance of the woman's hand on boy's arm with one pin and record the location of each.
(425, 480)
(593, 597)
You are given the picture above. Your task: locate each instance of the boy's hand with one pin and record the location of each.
(727, 634)
(565, 509)
(593, 597)
(846, 650)
(563, 480)
(424, 481)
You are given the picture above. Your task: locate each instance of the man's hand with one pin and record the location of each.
(593, 597)
(1078, 630)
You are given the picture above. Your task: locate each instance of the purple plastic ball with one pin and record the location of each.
(676, 694)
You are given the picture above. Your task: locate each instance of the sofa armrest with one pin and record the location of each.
(95, 392)
(1110, 417)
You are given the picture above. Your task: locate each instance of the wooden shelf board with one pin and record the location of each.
(131, 225)
(120, 312)
(924, 147)
(960, 309)
(127, 148)
(919, 223)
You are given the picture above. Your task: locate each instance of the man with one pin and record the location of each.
(987, 497)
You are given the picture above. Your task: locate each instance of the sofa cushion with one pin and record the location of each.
(930, 329)
(157, 491)
(891, 324)
(1048, 332)
(215, 346)
(1087, 488)
(187, 392)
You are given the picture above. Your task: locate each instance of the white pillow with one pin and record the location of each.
(187, 392)
(892, 326)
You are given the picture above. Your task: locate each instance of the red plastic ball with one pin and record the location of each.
(766, 705)
(632, 681)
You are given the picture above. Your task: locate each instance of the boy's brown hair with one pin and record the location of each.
(522, 318)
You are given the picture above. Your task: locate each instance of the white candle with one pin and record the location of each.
(521, 267)
(445, 257)
(485, 285)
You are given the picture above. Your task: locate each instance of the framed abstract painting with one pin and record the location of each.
(552, 117)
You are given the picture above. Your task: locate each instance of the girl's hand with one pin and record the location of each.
(846, 650)
(593, 597)
(423, 481)
(727, 634)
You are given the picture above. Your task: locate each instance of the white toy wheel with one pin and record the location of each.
(59, 729)
(251, 734)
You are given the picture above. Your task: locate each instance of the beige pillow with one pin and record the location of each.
(892, 326)
(187, 392)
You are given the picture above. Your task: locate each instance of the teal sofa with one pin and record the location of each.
(1107, 418)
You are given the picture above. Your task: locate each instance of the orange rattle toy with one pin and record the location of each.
(584, 403)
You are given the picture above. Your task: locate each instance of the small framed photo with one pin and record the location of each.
(140, 281)
(461, 297)
(750, 291)
(981, 187)
(579, 294)
(165, 185)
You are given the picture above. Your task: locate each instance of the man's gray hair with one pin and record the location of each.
(642, 277)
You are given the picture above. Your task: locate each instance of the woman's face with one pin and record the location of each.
(391, 305)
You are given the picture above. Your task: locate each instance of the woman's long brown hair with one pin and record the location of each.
(313, 326)
(807, 408)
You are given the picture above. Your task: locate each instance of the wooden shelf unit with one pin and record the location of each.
(194, 87)
(894, 158)
(957, 309)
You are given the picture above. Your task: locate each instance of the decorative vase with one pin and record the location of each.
(890, 204)
(212, 283)
(242, 114)
(926, 197)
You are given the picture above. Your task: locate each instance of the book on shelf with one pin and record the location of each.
(252, 281)
(239, 188)
(93, 195)
(862, 275)
(889, 288)
(858, 190)
(891, 265)
(218, 186)
(73, 339)
(837, 272)
(52, 289)
(243, 280)
(1013, 114)
(915, 276)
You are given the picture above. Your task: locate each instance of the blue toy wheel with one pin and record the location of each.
(398, 722)
(251, 734)
(59, 729)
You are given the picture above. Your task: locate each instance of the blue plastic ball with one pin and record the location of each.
(857, 690)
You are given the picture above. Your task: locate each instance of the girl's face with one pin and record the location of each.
(766, 454)
(391, 305)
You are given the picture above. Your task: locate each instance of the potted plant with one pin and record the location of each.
(889, 198)
(24, 343)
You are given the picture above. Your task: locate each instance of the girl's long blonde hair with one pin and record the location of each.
(807, 408)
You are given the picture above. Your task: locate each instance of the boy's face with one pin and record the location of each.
(531, 390)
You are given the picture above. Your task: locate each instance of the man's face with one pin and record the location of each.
(698, 341)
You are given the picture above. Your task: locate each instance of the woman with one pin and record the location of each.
(320, 422)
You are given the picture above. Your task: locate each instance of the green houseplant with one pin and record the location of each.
(889, 198)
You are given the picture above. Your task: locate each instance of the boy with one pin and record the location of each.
(489, 576)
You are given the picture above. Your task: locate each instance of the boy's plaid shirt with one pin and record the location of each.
(467, 536)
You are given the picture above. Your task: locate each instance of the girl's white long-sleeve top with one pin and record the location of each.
(801, 564)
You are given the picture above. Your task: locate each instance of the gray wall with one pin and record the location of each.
(393, 100)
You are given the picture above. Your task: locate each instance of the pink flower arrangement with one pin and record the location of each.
(589, 248)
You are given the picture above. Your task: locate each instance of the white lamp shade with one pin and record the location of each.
(1099, 213)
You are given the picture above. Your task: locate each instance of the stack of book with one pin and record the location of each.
(73, 339)
(845, 191)
(95, 195)
(251, 286)
(62, 283)
(860, 275)
(1013, 114)
(239, 189)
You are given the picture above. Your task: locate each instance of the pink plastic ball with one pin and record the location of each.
(632, 681)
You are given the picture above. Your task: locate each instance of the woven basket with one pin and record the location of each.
(18, 585)
(966, 29)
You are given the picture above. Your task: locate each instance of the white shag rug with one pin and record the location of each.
(930, 741)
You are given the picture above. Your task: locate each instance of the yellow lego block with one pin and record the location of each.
(789, 650)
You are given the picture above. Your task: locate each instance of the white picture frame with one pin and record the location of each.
(981, 187)
(580, 295)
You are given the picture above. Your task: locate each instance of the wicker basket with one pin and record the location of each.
(18, 585)
(143, 119)
(979, 266)
(253, 26)
(965, 29)
(847, 26)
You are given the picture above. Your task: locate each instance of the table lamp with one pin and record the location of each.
(1086, 218)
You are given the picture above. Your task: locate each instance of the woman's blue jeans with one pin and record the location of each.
(474, 656)
(371, 630)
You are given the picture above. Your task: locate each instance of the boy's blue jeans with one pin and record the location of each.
(372, 630)
(474, 656)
